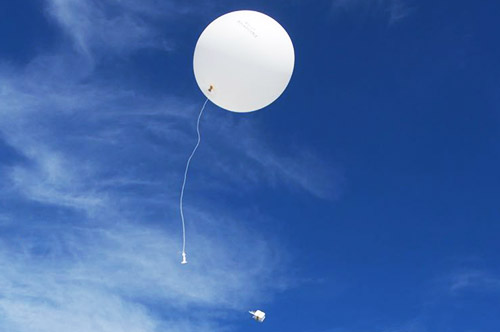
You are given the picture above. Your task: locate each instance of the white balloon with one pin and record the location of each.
(243, 61)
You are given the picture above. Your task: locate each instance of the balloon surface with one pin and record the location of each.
(243, 61)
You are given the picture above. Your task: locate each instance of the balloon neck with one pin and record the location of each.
(184, 260)
(211, 88)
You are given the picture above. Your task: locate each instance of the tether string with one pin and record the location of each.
(184, 260)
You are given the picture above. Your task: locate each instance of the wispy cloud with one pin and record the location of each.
(107, 278)
(112, 27)
(51, 180)
(395, 10)
(473, 280)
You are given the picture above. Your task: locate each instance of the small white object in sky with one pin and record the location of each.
(258, 315)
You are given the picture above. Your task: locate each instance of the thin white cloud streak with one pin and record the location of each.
(51, 181)
(258, 164)
(473, 280)
(112, 27)
(303, 170)
(396, 10)
(441, 299)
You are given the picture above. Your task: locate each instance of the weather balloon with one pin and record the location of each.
(243, 61)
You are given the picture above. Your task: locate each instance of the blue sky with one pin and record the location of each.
(366, 198)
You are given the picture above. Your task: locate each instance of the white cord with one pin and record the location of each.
(184, 260)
